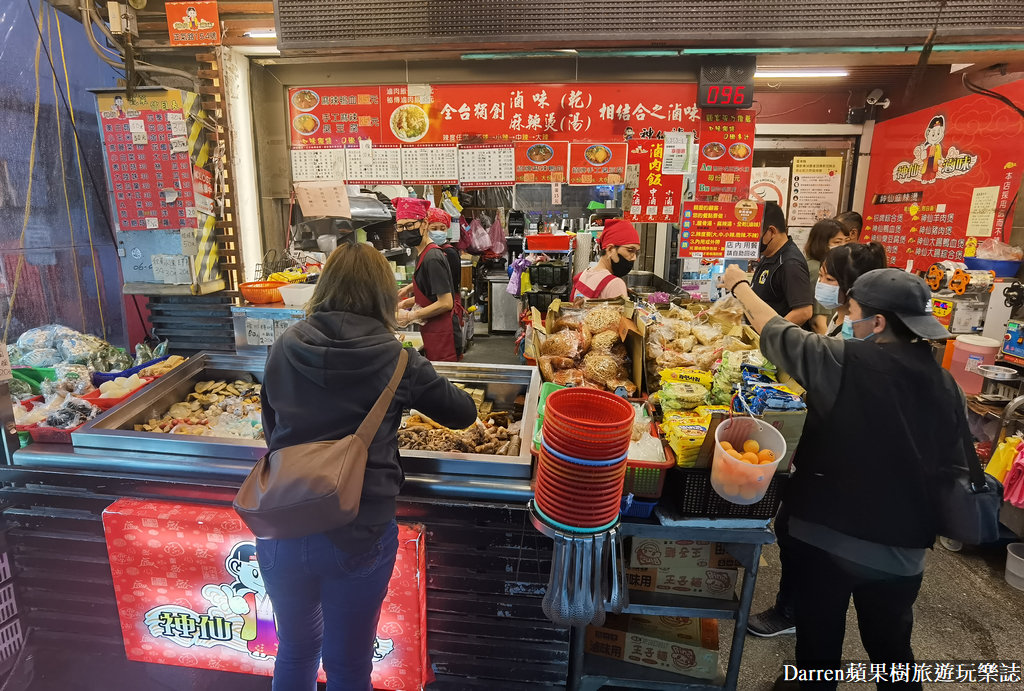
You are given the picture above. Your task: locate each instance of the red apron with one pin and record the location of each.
(437, 332)
(581, 288)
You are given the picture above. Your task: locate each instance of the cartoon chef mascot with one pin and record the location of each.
(932, 148)
(247, 596)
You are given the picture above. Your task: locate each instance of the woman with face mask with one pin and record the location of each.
(842, 266)
(619, 244)
(430, 298)
(825, 235)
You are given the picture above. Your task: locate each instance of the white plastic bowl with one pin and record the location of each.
(297, 294)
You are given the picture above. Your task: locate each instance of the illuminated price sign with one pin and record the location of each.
(726, 82)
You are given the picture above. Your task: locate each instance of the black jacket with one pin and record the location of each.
(321, 379)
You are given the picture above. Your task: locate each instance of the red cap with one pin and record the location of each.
(436, 215)
(618, 232)
(407, 208)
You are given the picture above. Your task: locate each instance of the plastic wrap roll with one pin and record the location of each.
(581, 255)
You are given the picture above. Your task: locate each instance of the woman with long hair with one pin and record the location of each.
(825, 234)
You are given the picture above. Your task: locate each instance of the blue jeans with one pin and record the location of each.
(326, 601)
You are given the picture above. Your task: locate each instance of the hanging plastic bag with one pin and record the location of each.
(479, 238)
(497, 233)
(515, 281)
(1003, 457)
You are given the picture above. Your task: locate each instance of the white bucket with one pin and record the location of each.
(1015, 565)
(297, 294)
(738, 481)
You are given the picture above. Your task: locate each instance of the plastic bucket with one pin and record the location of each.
(738, 481)
(969, 352)
(1014, 574)
(297, 294)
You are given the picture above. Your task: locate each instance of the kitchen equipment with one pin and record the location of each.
(959, 314)
(968, 353)
(1000, 383)
(1007, 296)
(1013, 342)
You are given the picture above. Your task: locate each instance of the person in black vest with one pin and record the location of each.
(884, 420)
(781, 277)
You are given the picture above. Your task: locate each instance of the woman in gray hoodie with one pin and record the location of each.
(322, 377)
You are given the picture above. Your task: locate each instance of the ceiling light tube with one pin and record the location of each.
(800, 73)
(261, 33)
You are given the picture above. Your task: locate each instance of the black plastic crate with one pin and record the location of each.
(542, 299)
(546, 274)
(689, 492)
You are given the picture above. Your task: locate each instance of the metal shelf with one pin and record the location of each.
(665, 605)
(604, 670)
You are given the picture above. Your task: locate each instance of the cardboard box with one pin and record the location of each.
(664, 653)
(679, 554)
(702, 633)
(696, 582)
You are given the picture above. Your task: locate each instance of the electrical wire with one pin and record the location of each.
(982, 91)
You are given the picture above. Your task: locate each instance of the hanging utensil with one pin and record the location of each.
(578, 608)
(563, 610)
(618, 582)
(598, 579)
(623, 577)
(547, 604)
(587, 581)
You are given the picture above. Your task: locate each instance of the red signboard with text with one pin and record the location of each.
(190, 593)
(657, 196)
(720, 229)
(491, 113)
(725, 151)
(542, 161)
(193, 23)
(597, 164)
(943, 179)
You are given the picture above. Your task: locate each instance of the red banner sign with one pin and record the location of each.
(193, 23)
(542, 161)
(943, 179)
(597, 164)
(725, 155)
(184, 599)
(478, 113)
(657, 197)
(721, 229)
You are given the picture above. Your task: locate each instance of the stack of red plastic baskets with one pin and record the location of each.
(582, 460)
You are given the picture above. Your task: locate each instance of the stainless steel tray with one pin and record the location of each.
(114, 430)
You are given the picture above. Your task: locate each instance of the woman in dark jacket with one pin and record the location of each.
(322, 377)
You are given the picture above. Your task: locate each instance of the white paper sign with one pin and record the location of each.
(770, 185)
(174, 116)
(677, 153)
(136, 126)
(280, 325)
(556, 193)
(189, 242)
(318, 164)
(266, 331)
(178, 128)
(426, 165)
(982, 217)
(816, 188)
(175, 269)
(179, 145)
(139, 138)
(487, 165)
(379, 165)
(152, 223)
(5, 364)
(323, 198)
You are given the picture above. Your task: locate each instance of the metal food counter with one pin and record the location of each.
(486, 566)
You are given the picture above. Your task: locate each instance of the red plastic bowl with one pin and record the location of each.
(583, 449)
(556, 510)
(589, 409)
(584, 473)
(587, 496)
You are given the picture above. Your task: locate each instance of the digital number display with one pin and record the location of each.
(725, 95)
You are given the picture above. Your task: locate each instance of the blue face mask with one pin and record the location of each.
(848, 329)
(438, 237)
(827, 295)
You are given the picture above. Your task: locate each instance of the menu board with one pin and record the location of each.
(487, 166)
(325, 164)
(597, 164)
(656, 196)
(333, 116)
(816, 189)
(725, 155)
(374, 165)
(541, 161)
(339, 116)
(721, 229)
(432, 164)
(943, 179)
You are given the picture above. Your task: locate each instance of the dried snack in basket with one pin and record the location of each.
(568, 377)
(604, 342)
(672, 358)
(707, 333)
(566, 343)
(163, 367)
(599, 367)
(661, 333)
(569, 318)
(19, 389)
(601, 319)
(682, 345)
(705, 356)
(683, 328)
(727, 310)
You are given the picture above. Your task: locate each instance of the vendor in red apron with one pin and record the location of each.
(619, 244)
(432, 301)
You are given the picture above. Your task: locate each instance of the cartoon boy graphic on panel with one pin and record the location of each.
(119, 108)
(932, 148)
(191, 19)
(247, 596)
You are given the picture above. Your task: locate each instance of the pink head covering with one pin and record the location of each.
(436, 215)
(409, 209)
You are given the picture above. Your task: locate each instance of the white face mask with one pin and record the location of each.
(438, 237)
(827, 295)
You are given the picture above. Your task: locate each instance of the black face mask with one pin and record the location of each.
(621, 266)
(410, 238)
(763, 246)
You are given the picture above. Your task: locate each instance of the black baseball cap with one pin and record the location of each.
(905, 295)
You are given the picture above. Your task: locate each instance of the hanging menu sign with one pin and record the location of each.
(597, 164)
(542, 161)
(487, 166)
(656, 196)
(816, 187)
(432, 164)
(374, 165)
(333, 116)
(310, 165)
(725, 155)
(721, 229)
(677, 153)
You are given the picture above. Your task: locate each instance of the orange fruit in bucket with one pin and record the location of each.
(751, 446)
(766, 456)
(750, 457)
(725, 445)
(735, 454)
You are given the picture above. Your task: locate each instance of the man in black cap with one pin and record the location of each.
(781, 276)
(884, 419)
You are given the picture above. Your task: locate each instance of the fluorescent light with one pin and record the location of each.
(261, 33)
(800, 74)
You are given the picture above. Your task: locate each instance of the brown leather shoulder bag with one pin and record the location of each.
(312, 488)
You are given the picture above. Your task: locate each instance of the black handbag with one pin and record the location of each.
(968, 499)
